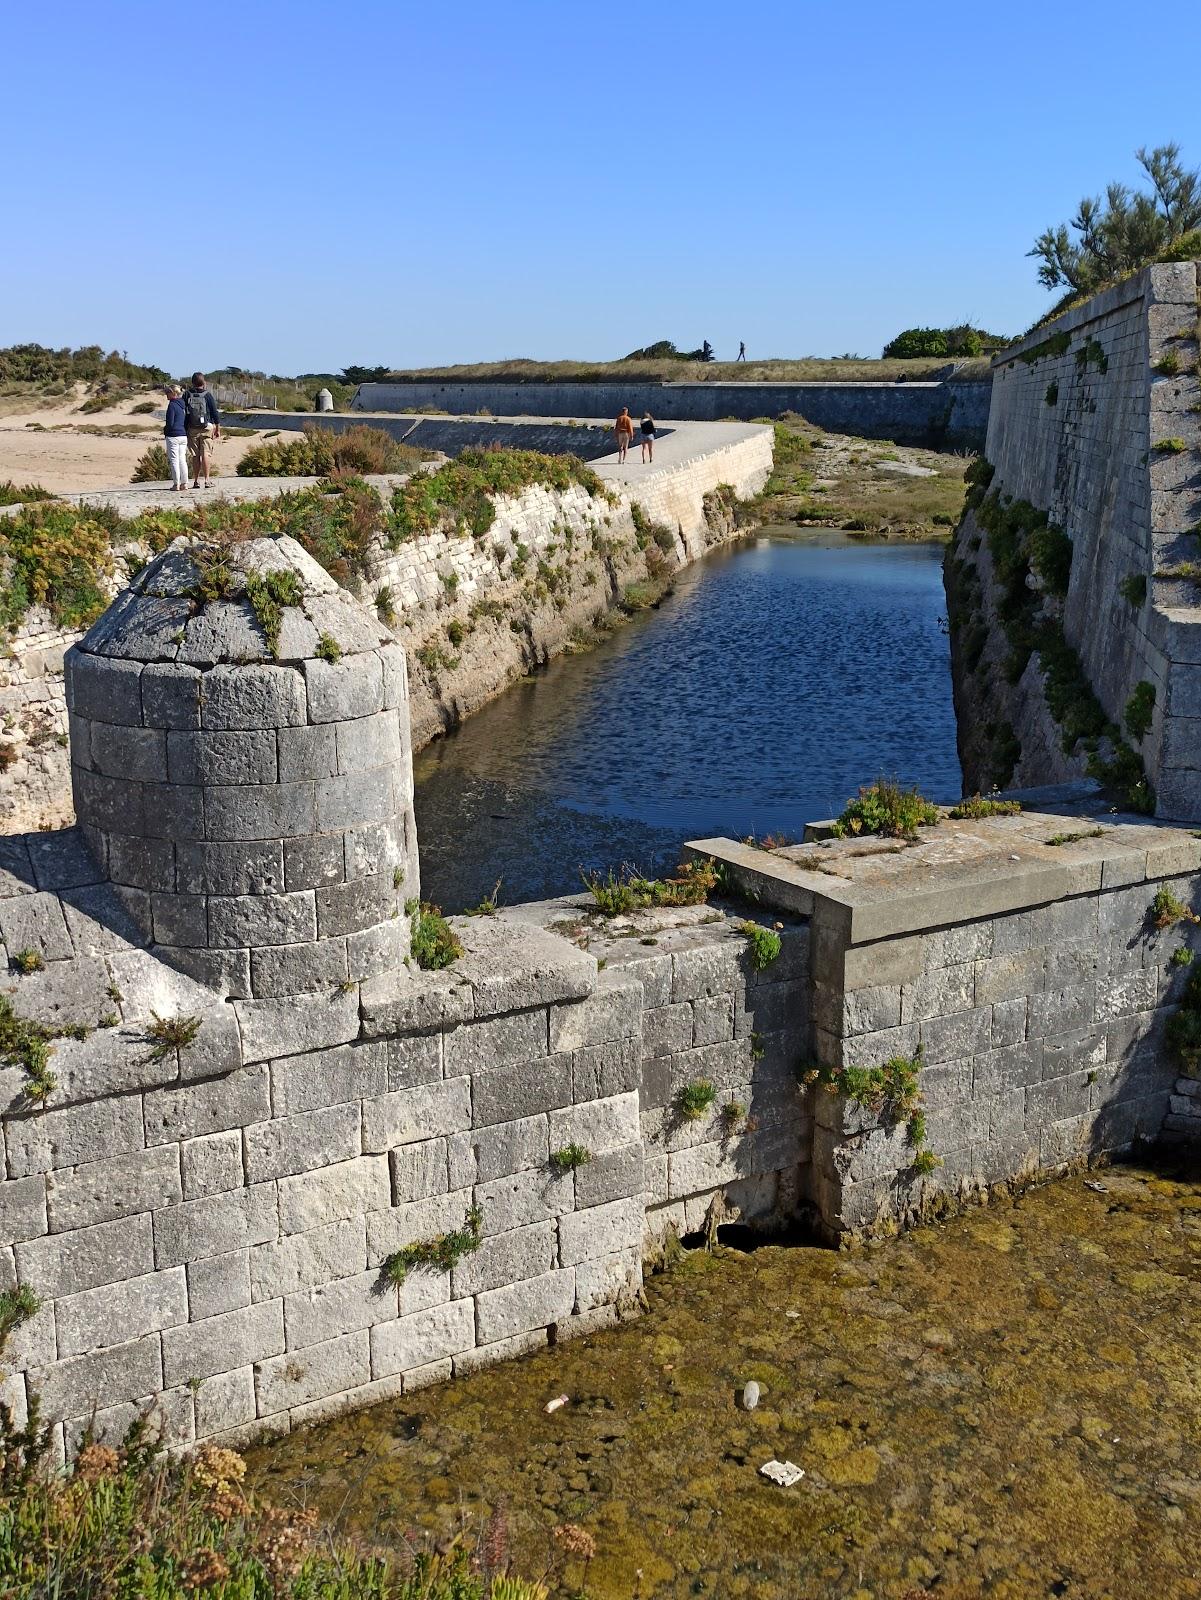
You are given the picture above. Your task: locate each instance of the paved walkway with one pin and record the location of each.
(686, 442)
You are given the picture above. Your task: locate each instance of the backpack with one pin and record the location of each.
(196, 408)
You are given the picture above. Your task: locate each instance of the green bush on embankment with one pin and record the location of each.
(462, 493)
(318, 452)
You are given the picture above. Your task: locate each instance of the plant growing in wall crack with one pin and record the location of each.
(890, 1092)
(569, 1158)
(435, 944)
(170, 1033)
(1183, 1031)
(434, 1255)
(764, 944)
(27, 1045)
(885, 808)
(1167, 909)
(1140, 708)
(694, 1099)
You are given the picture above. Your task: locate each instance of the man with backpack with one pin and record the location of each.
(203, 424)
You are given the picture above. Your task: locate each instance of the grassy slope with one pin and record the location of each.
(810, 369)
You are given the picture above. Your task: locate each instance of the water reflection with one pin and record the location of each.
(776, 678)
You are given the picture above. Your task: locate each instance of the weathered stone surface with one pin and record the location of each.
(425, 1336)
(98, 1191)
(73, 1135)
(520, 1307)
(224, 758)
(497, 1042)
(598, 1125)
(218, 1343)
(108, 1252)
(522, 1199)
(258, 811)
(349, 1189)
(421, 1112)
(22, 1209)
(237, 697)
(507, 1258)
(313, 1139)
(186, 1113)
(330, 1310)
(117, 1313)
(299, 968)
(296, 1025)
(338, 692)
(506, 1094)
(215, 1225)
(327, 1077)
(170, 696)
(420, 1170)
(217, 1284)
(121, 1372)
(330, 1250)
(512, 966)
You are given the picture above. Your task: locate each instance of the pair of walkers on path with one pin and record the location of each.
(192, 428)
(623, 432)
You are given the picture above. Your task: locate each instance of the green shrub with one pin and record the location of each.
(1140, 710)
(618, 893)
(152, 466)
(885, 808)
(27, 961)
(1169, 447)
(891, 1092)
(144, 408)
(1167, 909)
(977, 807)
(128, 1523)
(569, 1158)
(1051, 557)
(435, 1255)
(328, 648)
(1052, 395)
(54, 556)
(268, 593)
(694, 1099)
(320, 452)
(763, 942)
(1133, 588)
(1168, 364)
(13, 494)
(435, 944)
(461, 494)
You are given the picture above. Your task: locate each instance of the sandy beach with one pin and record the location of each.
(52, 443)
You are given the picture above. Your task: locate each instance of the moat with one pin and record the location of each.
(776, 678)
(1004, 1405)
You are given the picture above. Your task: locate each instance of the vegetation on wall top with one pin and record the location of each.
(1128, 228)
(960, 340)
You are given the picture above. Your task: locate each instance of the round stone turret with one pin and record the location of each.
(242, 772)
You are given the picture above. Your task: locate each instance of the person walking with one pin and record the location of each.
(741, 356)
(648, 437)
(175, 435)
(203, 427)
(623, 431)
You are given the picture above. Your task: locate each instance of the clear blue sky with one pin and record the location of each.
(382, 181)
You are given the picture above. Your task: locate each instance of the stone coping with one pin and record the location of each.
(506, 966)
(875, 888)
(1173, 282)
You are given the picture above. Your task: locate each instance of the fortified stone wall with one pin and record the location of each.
(1094, 421)
(932, 414)
(1021, 965)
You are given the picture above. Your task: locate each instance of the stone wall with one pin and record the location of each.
(1027, 979)
(1081, 409)
(208, 1230)
(936, 415)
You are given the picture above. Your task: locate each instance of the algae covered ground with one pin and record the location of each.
(1007, 1404)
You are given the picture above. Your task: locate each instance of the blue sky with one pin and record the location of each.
(319, 184)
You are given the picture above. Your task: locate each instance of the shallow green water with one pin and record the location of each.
(1007, 1404)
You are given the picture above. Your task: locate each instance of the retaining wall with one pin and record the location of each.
(931, 414)
(1080, 408)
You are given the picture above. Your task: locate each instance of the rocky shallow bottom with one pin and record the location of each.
(1007, 1404)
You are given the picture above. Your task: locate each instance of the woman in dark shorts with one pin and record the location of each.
(648, 436)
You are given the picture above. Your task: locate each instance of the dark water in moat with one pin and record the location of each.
(777, 678)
